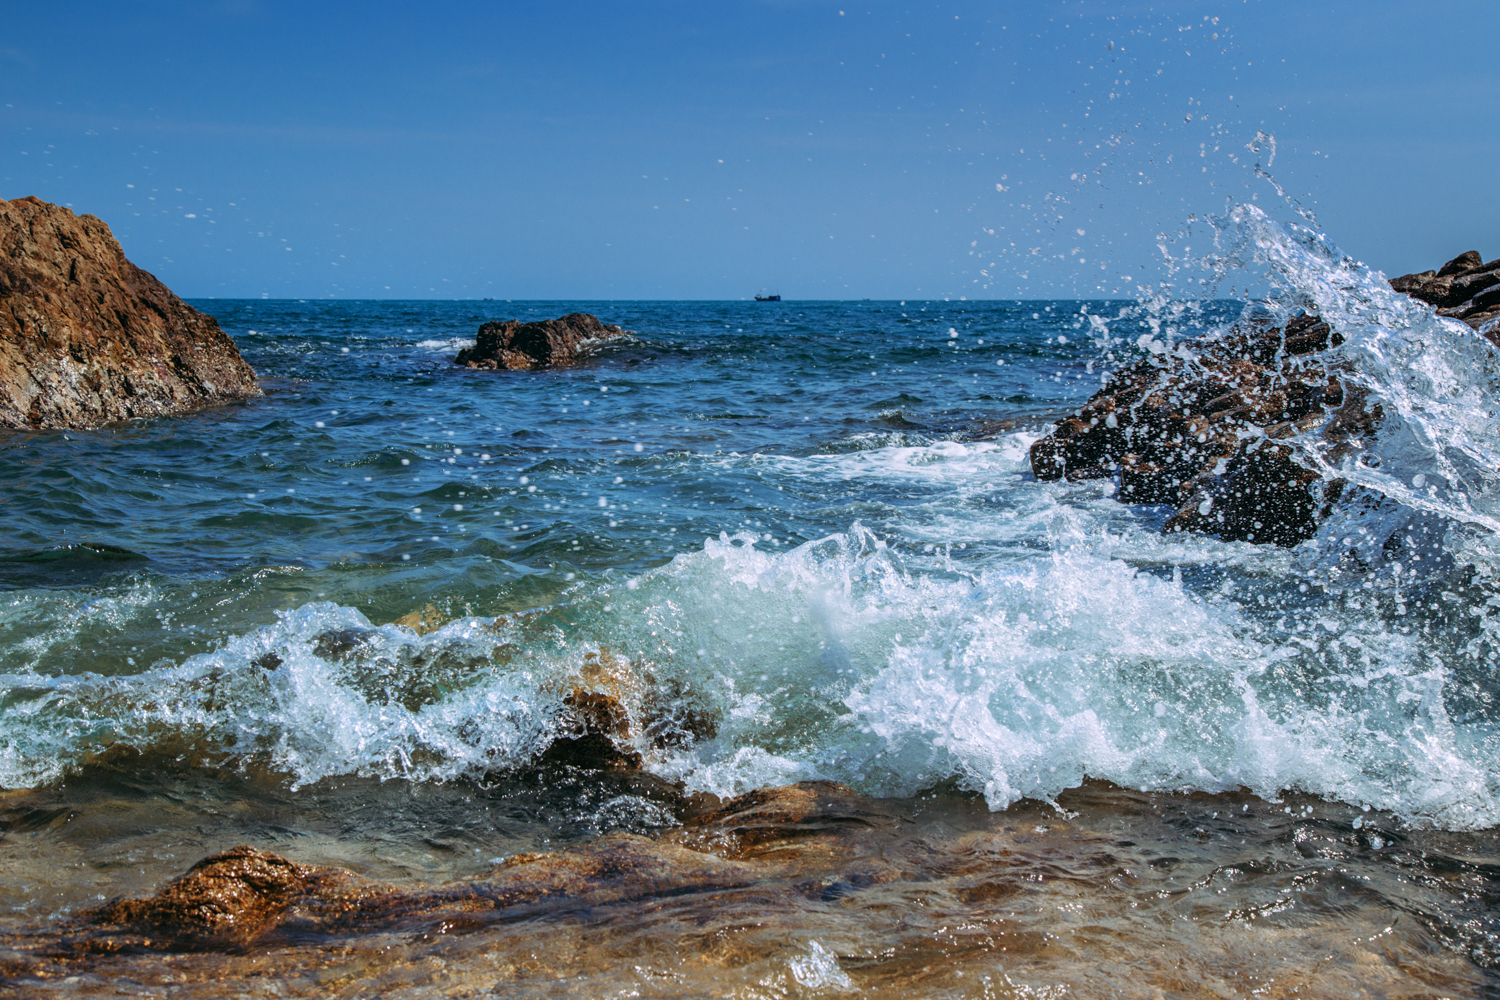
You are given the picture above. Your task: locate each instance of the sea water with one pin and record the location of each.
(794, 541)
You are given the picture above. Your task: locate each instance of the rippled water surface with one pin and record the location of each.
(351, 621)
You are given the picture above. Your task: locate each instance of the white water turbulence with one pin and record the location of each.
(1050, 639)
(1436, 380)
(959, 622)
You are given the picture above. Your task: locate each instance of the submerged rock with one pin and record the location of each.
(554, 342)
(812, 889)
(245, 896)
(228, 899)
(87, 338)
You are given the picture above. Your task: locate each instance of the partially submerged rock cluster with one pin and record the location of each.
(515, 345)
(1202, 429)
(87, 338)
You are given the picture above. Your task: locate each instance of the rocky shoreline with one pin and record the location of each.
(814, 890)
(87, 338)
(1201, 429)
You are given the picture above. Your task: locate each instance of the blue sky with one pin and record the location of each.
(695, 150)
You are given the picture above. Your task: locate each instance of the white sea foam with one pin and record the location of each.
(1436, 380)
(448, 344)
(1072, 647)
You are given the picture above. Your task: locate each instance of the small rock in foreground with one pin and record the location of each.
(550, 343)
(87, 338)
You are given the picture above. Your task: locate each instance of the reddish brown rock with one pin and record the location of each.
(225, 900)
(87, 338)
(555, 342)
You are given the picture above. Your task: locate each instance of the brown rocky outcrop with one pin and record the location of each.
(513, 344)
(87, 338)
(1201, 429)
(1465, 288)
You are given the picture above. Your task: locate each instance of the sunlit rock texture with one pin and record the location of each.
(87, 338)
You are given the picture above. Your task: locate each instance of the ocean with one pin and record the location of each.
(794, 542)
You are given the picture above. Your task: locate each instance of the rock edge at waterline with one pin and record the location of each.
(87, 338)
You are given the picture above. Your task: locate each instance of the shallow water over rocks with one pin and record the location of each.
(808, 890)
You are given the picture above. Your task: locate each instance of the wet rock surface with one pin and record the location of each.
(812, 889)
(227, 900)
(1201, 428)
(515, 345)
(245, 897)
(87, 338)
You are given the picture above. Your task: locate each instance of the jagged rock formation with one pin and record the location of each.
(1200, 430)
(87, 338)
(553, 342)
(1465, 288)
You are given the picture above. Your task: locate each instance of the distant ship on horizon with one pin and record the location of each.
(764, 296)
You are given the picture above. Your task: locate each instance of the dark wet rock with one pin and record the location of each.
(1199, 430)
(87, 338)
(1483, 322)
(1463, 288)
(1482, 302)
(1202, 429)
(595, 736)
(1472, 284)
(1465, 262)
(513, 344)
(1427, 287)
(613, 707)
